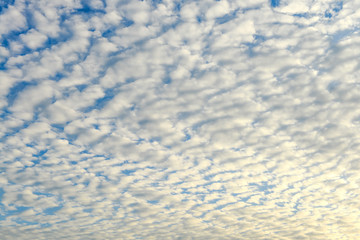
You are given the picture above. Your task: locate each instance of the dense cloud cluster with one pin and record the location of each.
(177, 119)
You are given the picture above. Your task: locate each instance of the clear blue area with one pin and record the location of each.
(127, 22)
(275, 3)
(258, 39)
(40, 153)
(128, 172)
(226, 18)
(155, 2)
(1, 194)
(43, 194)
(263, 187)
(4, 4)
(88, 210)
(187, 137)
(338, 36)
(109, 33)
(52, 210)
(18, 210)
(16, 90)
(24, 222)
(101, 102)
(301, 15)
(167, 80)
(177, 7)
(86, 8)
(338, 7)
(3, 65)
(153, 202)
(328, 14)
(13, 37)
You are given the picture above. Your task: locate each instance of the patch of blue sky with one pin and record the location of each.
(210, 176)
(167, 80)
(4, 4)
(263, 187)
(57, 77)
(58, 128)
(177, 6)
(86, 10)
(40, 153)
(15, 37)
(274, 3)
(328, 14)
(338, 6)
(63, 37)
(156, 2)
(3, 64)
(219, 207)
(109, 33)
(258, 39)
(187, 136)
(296, 207)
(46, 194)
(102, 175)
(101, 102)
(88, 210)
(52, 210)
(301, 15)
(4, 113)
(45, 225)
(243, 199)
(127, 22)
(339, 35)
(199, 19)
(220, 190)
(25, 222)
(81, 87)
(18, 210)
(128, 172)
(121, 164)
(1, 196)
(12, 36)
(15, 130)
(226, 18)
(153, 202)
(28, 14)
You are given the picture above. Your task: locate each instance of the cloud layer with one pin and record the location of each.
(179, 119)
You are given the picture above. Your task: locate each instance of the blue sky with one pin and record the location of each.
(177, 119)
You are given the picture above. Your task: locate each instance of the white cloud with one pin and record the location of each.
(33, 39)
(12, 19)
(166, 120)
(219, 9)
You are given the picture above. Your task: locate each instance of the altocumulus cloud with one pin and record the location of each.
(178, 119)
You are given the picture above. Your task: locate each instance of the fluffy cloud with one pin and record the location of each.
(179, 120)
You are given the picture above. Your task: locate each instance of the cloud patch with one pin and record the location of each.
(179, 120)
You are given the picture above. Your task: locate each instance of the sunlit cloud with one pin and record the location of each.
(179, 119)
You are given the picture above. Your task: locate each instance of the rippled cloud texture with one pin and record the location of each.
(169, 119)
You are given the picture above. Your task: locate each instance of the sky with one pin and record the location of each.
(179, 119)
